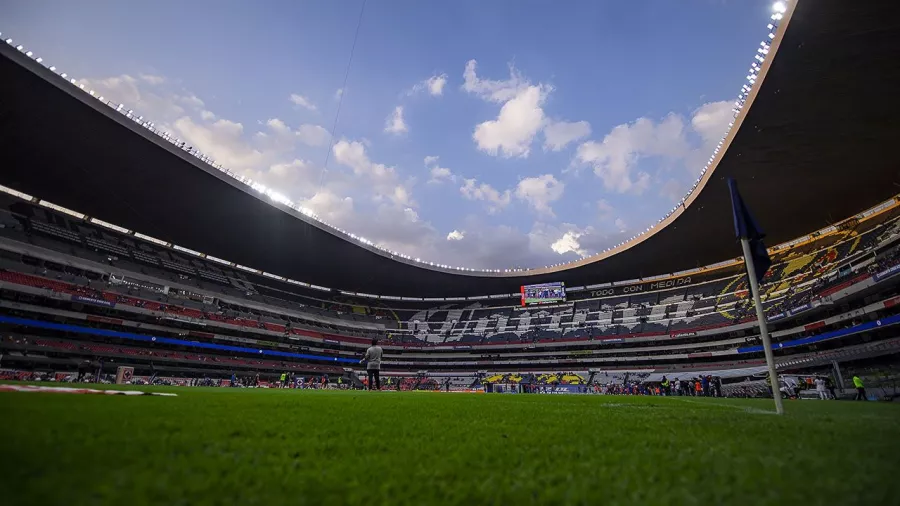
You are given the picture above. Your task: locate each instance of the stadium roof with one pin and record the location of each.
(814, 144)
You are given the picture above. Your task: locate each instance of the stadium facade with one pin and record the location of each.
(114, 247)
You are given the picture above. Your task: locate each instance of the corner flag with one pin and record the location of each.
(745, 227)
(757, 259)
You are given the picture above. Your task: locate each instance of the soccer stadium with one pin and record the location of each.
(240, 326)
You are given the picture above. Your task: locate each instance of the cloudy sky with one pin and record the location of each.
(479, 134)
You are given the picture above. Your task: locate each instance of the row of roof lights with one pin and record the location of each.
(861, 216)
(779, 8)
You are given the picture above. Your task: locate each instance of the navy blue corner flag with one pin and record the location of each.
(745, 228)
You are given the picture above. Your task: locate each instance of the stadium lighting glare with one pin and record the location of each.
(779, 7)
(28, 54)
(52, 68)
(20, 47)
(9, 41)
(39, 59)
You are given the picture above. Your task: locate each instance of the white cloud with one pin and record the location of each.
(494, 91)
(456, 235)
(569, 243)
(485, 192)
(278, 126)
(438, 174)
(222, 140)
(152, 79)
(614, 160)
(540, 192)
(620, 224)
(711, 120)
(377, 178)
(559, 134)
(441, 174)
(338, 94)
(313, 135)
(511, 134)
(146, 95)
(207, 115)
(395, 124)
(330, 207)
(617, 158)
(434, 85)
(301, 101)
(403, 197)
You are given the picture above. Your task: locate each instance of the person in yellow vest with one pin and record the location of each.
(283, 380)
(860, 389)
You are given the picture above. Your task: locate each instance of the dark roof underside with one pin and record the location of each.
(818, 145)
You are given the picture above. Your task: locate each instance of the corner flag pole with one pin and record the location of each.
(763, 328)
(756, 258)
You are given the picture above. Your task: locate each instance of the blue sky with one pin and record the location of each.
(478, 134)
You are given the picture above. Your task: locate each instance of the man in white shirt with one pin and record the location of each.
(820, 388)
(373, 364)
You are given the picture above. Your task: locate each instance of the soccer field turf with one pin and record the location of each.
(286, 447)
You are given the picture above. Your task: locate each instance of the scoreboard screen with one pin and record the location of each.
(545, 293)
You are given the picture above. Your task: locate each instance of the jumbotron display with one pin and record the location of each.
(544, 293)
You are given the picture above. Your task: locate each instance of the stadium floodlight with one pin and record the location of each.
(28, 54)
(39, 59)
(771, 35)
(9, 41)
(63, 75)
(779, 7)
(20, 47)
(52, 68)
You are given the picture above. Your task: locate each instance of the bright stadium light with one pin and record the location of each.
(28, 54)
(779, 7)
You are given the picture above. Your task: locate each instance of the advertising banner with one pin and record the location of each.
(887, 273)
(91, 300)
(506, 388)
(562, 389)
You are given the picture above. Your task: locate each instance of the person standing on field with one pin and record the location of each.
(373, 364)
(860, 389)
(820, 388)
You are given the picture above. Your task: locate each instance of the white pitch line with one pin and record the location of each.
(742, 408)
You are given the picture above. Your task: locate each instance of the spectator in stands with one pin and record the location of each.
(373, 364)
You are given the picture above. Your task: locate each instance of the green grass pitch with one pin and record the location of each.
(285, 447)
